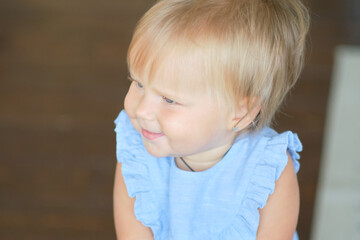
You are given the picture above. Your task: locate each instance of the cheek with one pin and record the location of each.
(196, 127)
(172, 125)
(180, 126)
(130, 103)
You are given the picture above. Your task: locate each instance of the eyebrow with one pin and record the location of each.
(164, 93)
(131, 75)
(173, 95)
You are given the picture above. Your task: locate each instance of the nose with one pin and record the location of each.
(146, 108)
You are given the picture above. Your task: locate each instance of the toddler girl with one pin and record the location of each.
(196, 158)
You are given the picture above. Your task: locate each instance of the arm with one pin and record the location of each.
(126, 225)
(278, 219)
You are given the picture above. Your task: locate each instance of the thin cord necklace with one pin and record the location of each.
(187, 164)
(193, 169)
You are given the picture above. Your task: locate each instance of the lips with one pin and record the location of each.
(150, 135)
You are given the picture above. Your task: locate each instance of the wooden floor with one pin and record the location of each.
(62, 82)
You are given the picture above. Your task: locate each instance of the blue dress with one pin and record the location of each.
(220, 203)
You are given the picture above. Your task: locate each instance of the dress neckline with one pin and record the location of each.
(223, 162)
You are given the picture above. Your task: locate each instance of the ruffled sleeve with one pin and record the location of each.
(135, 170)
(272, 159)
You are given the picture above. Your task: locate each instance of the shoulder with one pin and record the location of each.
(126, 224)
(124, 128)
(279, 148)
(132, 155)
(129, 145)
(278, 219)
(271, 166)
(280, 206)
(137, 175)
(267, 153)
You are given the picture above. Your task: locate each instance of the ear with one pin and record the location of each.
(245, 113)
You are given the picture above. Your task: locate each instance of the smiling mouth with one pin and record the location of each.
(150, 135)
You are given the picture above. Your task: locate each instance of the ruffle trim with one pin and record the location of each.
(262, 183)
(133, 157)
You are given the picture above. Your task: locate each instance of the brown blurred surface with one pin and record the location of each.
(62, 82)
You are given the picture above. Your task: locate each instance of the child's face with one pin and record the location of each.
(178, 118)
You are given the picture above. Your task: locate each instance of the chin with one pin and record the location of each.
(156, 152)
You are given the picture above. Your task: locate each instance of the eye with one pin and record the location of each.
(169, 100)
(139, 85)
(130, 78)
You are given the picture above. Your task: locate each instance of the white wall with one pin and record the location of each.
(337, 208)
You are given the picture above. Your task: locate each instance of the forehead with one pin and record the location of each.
(185, 62)
(177, 66)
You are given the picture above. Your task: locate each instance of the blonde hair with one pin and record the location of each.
(250, 48)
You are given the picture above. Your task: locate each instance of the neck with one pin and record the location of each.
(204, 160)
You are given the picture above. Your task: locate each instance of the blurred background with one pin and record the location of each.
(62, 83)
